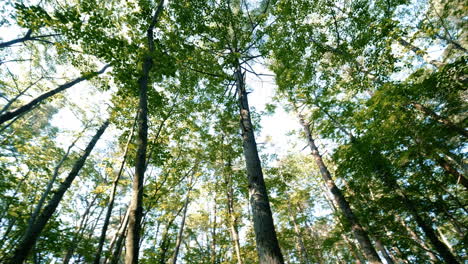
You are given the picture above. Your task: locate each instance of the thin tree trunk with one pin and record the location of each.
(132, 242)
(268, 248)
(27, 107)
(110, 206)
(419, 52)
(360, 234)
(30, 237)
(419, 241)
(438, 245)
(119, 245)
(380, 247)
(181, 230)
(51, 182)
(213, 234)
(79, 233)
(231, 214)
(300, 241)
(357, 255)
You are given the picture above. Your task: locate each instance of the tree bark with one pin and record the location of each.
(110, 206)
(268, 248)
(30, 237)
(359, 233)
(132, 242)
(27, 107)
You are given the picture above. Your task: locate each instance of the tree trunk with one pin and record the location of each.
(213, 235)
(441, 120)
(30, 237)
(438, 245)
(268, 248)
(360, 234)
(231, 214)
(132, 242)
(79, 233)
(110, 206)
(380, 247)
(27, 107)
(120, 240)
(181, 230)
(449, 169)
(300, 241)
(51, 182)
(120, 233)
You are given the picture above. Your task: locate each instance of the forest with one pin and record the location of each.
(233, 131)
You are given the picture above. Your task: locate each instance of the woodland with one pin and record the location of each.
(127, 135)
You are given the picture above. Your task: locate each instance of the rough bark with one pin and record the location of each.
(132, 242)
(359, 233)
(30, 237)
(27, 107)
(268, 248)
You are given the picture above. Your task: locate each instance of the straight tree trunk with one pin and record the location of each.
(300, 241)
(380, 247)
(30, 237)
(51, 182)
(120, 233)
(268, 248)
(118, 246)
(132, 242)
(231, 214)
(27, 107)
(110, 206)
(357, 256)
(181, 230)
(360, 234)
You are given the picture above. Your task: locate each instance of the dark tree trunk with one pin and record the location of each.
(360, 234)
(110, 206)
(268, 248)
(30, 237)
(27, 107)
